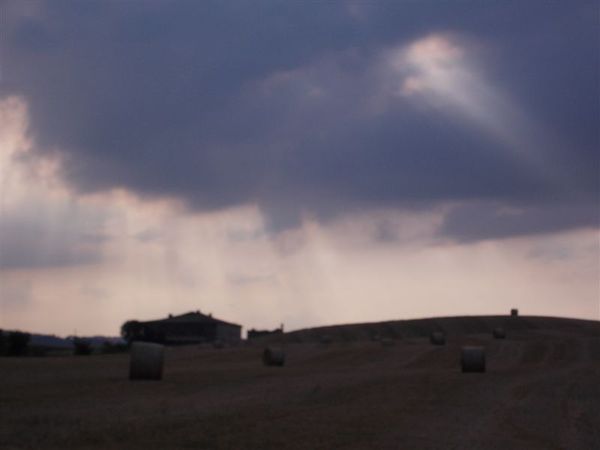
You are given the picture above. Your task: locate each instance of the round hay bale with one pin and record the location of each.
(437, 338)
(514, 312)
(273, 357)
(376, 337)
(472, 359)
(325, 339)
(499, 333)
(146, 361)
(387, 342)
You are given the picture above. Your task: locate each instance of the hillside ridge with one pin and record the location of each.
(451, 325)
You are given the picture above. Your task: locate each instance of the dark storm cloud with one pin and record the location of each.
(286, 104)
(473, 222)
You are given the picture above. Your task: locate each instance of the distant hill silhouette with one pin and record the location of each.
(50, 341)
(55, 342)
(420, 328)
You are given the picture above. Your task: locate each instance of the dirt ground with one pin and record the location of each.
(541, 390)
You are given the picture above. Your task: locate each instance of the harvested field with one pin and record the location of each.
(541, 391)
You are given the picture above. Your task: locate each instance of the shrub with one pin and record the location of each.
(108, 347)
(38, 350)
(82, 346)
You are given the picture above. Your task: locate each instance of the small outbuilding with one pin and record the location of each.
(253, 334)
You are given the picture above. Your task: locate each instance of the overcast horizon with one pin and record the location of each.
(304, 163)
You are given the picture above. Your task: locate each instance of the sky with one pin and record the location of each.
(304, 163)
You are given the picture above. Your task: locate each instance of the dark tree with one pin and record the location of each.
(132, 330)
(18, 343)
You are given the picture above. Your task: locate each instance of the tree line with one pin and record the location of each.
(18, 343)
(14, 343)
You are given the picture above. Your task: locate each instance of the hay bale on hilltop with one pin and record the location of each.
(472, 359)
(514, 312)
(499, 333)
(273, 357)
(437, 338)
(146, 361)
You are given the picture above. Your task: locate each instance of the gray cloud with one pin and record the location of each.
(280, 104)
(36, 239)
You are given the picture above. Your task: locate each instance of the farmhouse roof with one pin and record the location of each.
(194, 317)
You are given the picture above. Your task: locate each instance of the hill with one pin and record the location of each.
(50, 341)
(540, 391)
(453, 326)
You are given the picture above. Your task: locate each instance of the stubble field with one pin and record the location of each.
(541, 391)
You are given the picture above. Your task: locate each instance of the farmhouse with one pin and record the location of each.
(190, 328)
